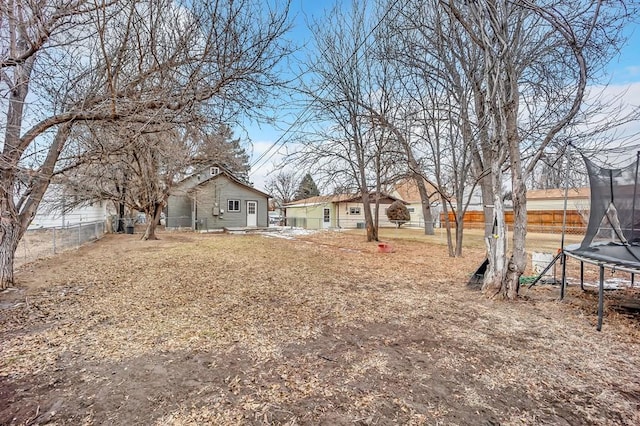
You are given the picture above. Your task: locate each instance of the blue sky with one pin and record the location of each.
(623, 73)
(626, 68)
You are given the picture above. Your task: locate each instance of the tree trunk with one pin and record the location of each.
(426, 205)
(120, 228)
(497, 241)
(16, 217)
(518, 260)
(487, 207)
(459, 231)
(10, 234)
(447, 224)
(153, 218)
(372, 230)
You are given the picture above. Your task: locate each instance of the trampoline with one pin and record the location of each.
(612, 239)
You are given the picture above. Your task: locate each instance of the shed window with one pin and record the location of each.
(233, 206)
(354, 210)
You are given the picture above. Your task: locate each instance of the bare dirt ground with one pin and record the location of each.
(322, 329)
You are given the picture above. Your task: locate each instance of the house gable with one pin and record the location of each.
(407, 190)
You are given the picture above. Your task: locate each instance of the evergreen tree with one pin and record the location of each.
(219, 146)
(307, 188)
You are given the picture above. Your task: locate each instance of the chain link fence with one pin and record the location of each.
(178, 222)
(40, 243)
(302, 222)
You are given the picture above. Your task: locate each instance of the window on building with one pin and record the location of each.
(411, 209)
(214, 171)
(233, 205)
(354, 210)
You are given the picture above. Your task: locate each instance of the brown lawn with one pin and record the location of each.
(221, 329)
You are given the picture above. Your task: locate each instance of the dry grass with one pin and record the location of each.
(218, 329)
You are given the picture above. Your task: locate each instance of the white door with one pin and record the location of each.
(252, 213)
(326, 218)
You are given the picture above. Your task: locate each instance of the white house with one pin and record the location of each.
(51, 214)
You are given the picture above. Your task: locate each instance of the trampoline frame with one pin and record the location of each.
(602, 266)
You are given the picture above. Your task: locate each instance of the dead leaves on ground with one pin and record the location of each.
(260, 296)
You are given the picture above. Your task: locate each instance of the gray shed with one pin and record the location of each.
(215, 199)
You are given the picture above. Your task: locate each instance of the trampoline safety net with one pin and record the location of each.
(615, 212)
(613, 231)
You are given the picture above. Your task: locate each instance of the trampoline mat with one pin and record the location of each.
(618, 254)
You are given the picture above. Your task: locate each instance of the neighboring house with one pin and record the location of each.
(51, 211)
(578, 199)
(407, 190)
(215, 199)
(335, 211)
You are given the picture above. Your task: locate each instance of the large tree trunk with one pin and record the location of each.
(10, 234)
(153, 218)
(518, 260)
(15, 217)
(487, 206)
(496, 242)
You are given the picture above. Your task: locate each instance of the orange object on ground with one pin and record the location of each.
(385, 248)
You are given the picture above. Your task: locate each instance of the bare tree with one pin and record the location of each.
(340, 85)
(283, 186)
(431, 116)
(535, 63)
(145, 63)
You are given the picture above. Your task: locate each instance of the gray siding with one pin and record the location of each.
(179, 209)
(217, 193)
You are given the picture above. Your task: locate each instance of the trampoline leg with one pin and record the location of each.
(563, 285)
(600, 298)
(582, 275)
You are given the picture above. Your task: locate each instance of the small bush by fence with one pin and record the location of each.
(40, 243)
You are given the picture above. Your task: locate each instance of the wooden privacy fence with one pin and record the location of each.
(537, 220)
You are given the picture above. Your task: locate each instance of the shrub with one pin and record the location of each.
(398, 213)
